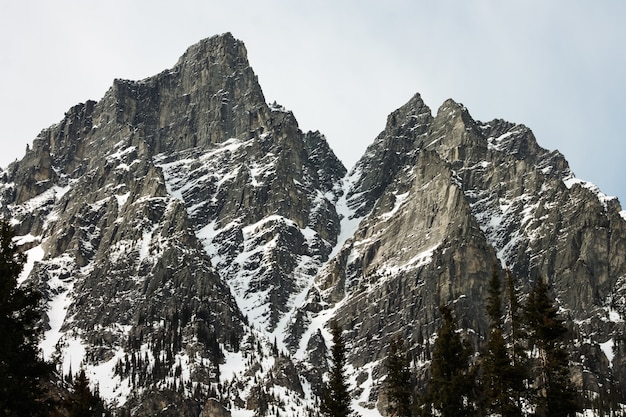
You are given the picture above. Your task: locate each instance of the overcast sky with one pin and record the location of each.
(557, 66)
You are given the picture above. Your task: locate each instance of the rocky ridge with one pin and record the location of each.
(192, 241)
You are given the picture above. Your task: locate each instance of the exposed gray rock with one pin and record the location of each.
(213, 408)
(166, 403)
(186, 235)
(462, 198)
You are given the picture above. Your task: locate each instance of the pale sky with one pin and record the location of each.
(557, 66)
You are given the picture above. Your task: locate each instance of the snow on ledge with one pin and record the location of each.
(607, 348)
(399, 200)
(35, 254)
(570, 181)
(423, 258)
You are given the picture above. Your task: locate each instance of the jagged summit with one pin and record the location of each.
(439, 201)
(132, 205)
(224, 46)
(192, 242)
(392, 149)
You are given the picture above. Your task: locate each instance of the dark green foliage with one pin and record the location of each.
(398, 383)
(335, 397)
(545, 328)
(451, 385)
(83, 402)
(546, 335)
(21, 369)
(516, 341)
(501, 383)
(516, 334)
(494, 301)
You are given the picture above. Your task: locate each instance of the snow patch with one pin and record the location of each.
(111, 387)
(121, 153)
(604, 199)
(259, 172)
(33, 255)
(59, 192)
(363, 405)
(144, 247)
(399, 200)
(207, 170)
(57, 310)
(421, 259)
(122, 199)
(607, 348)
(614, 316)
(348, 223)
(39, 201)
(234, 363)
(61, 288)
(73, 354)
(318, 322)
(495, 143)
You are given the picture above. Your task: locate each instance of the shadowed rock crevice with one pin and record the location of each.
(192, 242)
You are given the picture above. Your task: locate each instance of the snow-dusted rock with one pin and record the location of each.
(193, 243)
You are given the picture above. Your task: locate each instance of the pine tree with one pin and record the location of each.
(21, 368)
(516, 334)
(516, 338)
(546, 332)
(398, 382)
(335, 397)
(83, 402)
(499, 380)
(450, 390)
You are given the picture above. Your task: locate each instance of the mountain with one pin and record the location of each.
(192, 242)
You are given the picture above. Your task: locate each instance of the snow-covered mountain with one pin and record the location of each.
(193, 242)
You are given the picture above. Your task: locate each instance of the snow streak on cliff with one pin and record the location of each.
(193, 243)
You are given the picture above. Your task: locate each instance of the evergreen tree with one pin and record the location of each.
(499, 380)
(335, 397)
(493, 306)
(21, 368)
(450, 390)
(516, 340)
(516, 335)
(546, 332)
(83, 402)
(398, 382)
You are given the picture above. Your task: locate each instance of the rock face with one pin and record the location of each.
(443, 200)
(214, 408)
(133, 204)
(193, 242)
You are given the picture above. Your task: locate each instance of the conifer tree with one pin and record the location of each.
(335, 397)
(516, 338)
(499, 381)
(398, 382)
(83, 402)
(450, 390)
(546, 332)
(21, 368)
(516, 333)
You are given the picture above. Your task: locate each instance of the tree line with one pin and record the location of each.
(28, 384)
(521, 369)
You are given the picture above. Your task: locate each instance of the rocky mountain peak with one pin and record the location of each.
(192, 242)
(223, 47)
(392, 149)
(118, 200)
(212, 88)
(408, 115)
